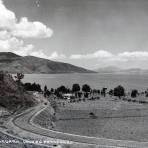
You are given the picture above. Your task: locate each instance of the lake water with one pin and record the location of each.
(97, 81)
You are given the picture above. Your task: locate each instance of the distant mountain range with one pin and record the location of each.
(28, 64)
(116, 70)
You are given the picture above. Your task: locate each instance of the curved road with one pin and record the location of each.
(24, 121)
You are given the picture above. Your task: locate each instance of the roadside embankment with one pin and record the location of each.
(45, 118)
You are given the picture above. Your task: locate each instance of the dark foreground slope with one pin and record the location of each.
(12, 95)
(13, 63)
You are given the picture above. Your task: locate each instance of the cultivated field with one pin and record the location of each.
(113, 119)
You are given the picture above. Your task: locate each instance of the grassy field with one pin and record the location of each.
(114, 119)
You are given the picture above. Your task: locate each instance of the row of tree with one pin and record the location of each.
(86, 90)
(118, 91)
(77, 90)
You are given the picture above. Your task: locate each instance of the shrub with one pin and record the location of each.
(92, 115)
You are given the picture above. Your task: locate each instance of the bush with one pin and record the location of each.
(92, 115)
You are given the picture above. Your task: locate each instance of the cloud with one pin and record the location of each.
(7, 17)
(23, 28)
(4, 35)
(12, 32)
(97, 54)
(141, 55)
(25, 50)
(26, 29)
(39, 54)
(12, 44)
(123, 59)
(105, 54)
(54, 56)
(15, 45)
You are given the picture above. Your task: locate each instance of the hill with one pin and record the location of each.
(109, 69)
(116, 70)
(28, 64)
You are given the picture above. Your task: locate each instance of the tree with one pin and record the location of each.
(146, 93)
(79, 94)
(45, 90)
(62, 89)
(19, 77)
(94, 91)
(111, 92)
(76, 89)
(86, 88)
(52, 90)
(32, 87)
(134, 93)
(48, 93)
(86, 95)
(119, 91)
(57, 93)
(98, 91)
(103, 91)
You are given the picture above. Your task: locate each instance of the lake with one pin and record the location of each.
(129, 81)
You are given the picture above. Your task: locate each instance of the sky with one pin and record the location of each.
(86, 33)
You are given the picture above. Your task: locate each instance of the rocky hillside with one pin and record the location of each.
(12, 95)
(13, 63)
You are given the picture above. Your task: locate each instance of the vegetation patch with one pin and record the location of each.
(13, 95)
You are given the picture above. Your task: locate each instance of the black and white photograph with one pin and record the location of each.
(73, 73)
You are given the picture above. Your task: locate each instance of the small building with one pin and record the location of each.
(68, 96)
